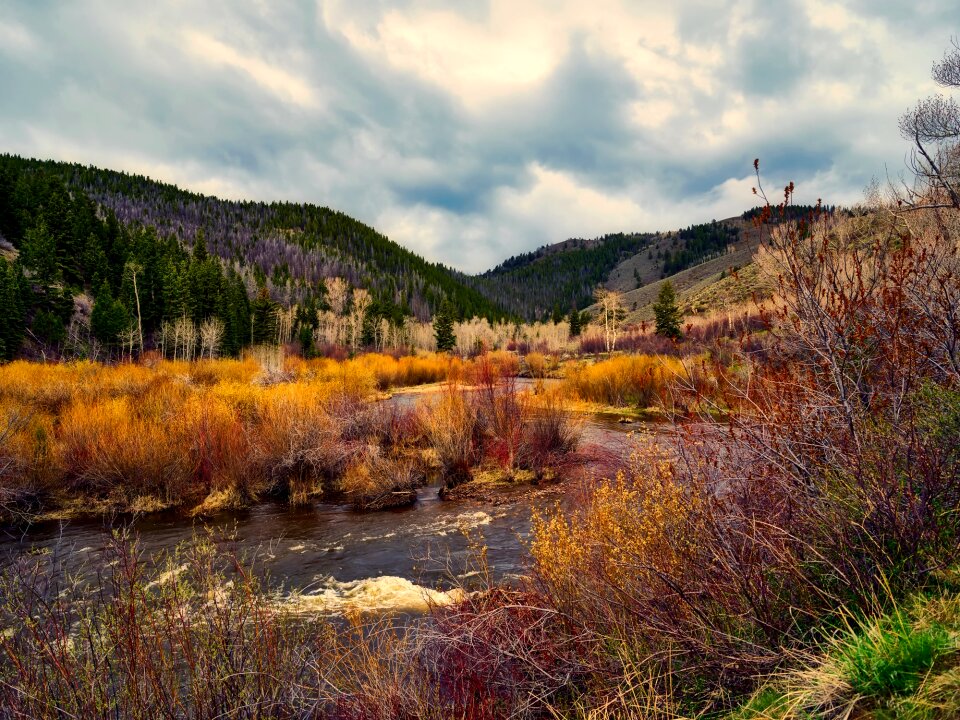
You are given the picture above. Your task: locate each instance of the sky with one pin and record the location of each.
(471, 131)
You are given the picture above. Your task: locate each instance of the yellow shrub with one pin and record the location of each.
(219, 445)
(177, 431)
(637, 380)
(108, 446)
(536, 364)
(214, 372)
(639, 524)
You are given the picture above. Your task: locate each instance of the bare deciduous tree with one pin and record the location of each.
(326, 331)
(933, 127)
(361, 302)
(134, 269)
(211, 336)
(184, 339)
(611, 315)
(284, 318)
(128, 338)
(338, 291)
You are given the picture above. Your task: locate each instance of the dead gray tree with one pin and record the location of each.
(933, 128)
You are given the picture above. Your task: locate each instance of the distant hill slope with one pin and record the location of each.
(694, 279)
(289, 247)
(565, 275)
(558, 277)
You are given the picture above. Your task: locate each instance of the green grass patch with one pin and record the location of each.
(768, 704)
(892, 655)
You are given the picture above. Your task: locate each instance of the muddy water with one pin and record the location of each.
(330, 553)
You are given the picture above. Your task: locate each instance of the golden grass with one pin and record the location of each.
(624, 380)
(169, 433)
(643, 518)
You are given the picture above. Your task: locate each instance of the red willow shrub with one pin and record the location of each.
(835, 485)
(195, 637)
(492, 423)
(837, 482)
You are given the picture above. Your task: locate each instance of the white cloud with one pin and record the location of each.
(16, 40)
(476, 130)
(285, 85)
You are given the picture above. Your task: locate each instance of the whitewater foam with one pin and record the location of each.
(386, 593)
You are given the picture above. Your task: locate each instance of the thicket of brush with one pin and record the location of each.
(762, 567)
(219, 434)
(639, 381)
(492, 425)
(833, 492)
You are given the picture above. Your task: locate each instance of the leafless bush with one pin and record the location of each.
(195, 636)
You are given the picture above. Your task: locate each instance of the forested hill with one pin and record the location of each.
(557, 278)
(286, 247)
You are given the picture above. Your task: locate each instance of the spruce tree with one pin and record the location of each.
(96, 267)
(667, 313)
(443, 328)
(109, 317)
(12, 322)
(263, 313)
(39, 257)
(176, 291)
(574, 323)
(200, 246)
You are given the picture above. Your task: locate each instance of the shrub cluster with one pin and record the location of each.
(208, 434)
(639, 381)
(492, 424)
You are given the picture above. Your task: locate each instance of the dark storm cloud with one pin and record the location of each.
(335, 103)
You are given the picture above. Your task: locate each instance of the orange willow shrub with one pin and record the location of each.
(27, 457)
(111, 446)
(172, 433)
(220, 451)
(298, 440)
(213, 372)
(630, 532)
(51, 387)
(410, 370)
(497, 363)
(385, 370)
(452, 428)
(637, 380)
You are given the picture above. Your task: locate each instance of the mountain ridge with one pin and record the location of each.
(291, 249)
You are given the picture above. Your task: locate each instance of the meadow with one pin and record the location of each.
(209, 435)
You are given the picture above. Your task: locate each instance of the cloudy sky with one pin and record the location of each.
(474, 133)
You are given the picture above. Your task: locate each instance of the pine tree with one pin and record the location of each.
(109, 317)
(12, 317)
(39, 257)
(667, 313)
(176, 293)
(233, 308)
(205, 280)
(200, 246)
(263, 321)
(96, 267)
(443, 328)
(574, 323)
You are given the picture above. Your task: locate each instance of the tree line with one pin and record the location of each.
(100, 263)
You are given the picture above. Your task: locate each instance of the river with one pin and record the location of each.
(331, 554)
